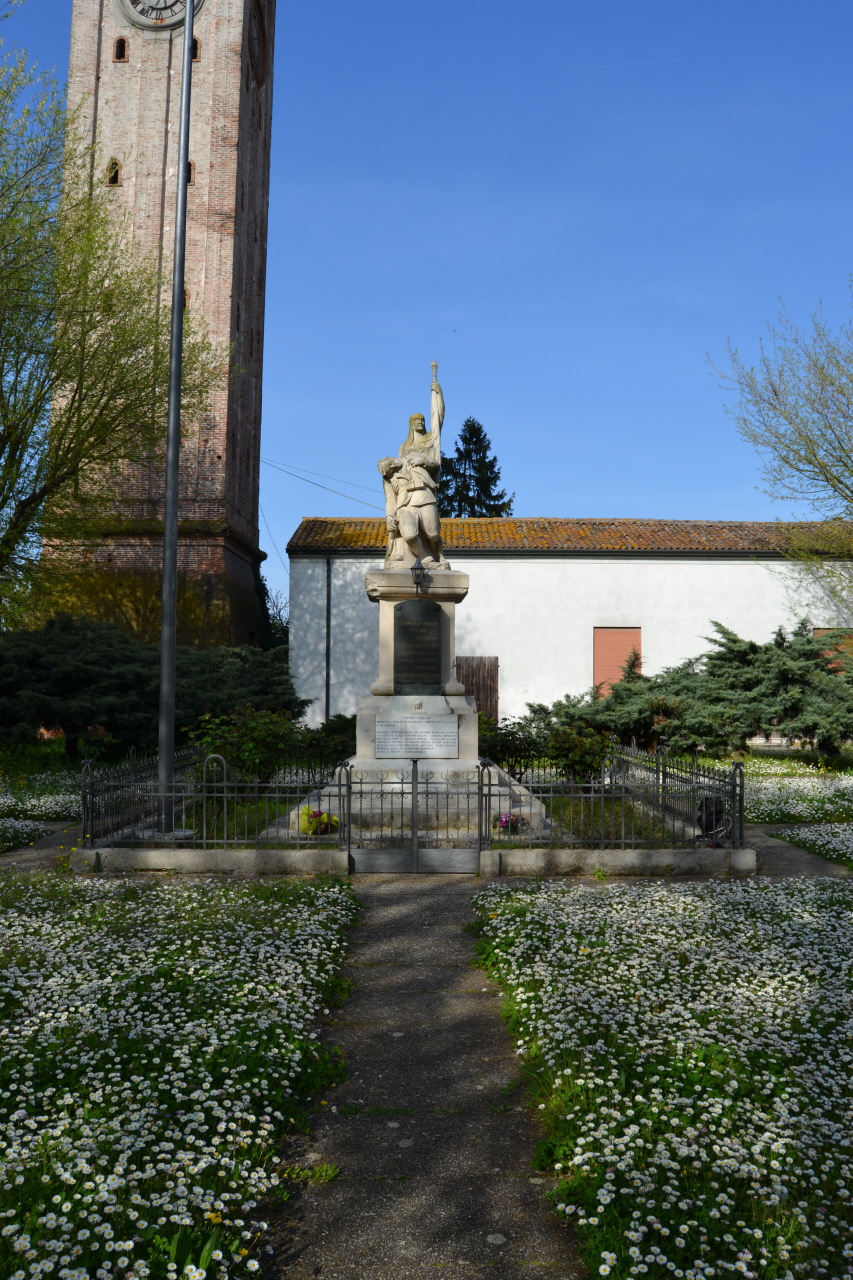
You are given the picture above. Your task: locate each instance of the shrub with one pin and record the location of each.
(512, 744)
(579, 751)
(797, 683)
(100, 686)
(331, 742)
(253, 743)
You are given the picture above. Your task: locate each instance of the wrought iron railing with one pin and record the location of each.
(709, 796)
(429, 821)
(638, 801)
(126, 795)
(208, 807)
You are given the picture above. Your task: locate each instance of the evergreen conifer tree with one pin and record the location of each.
(470, 477)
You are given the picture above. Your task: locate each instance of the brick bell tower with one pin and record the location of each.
(124, 74)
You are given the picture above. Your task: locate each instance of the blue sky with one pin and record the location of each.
(569, 206)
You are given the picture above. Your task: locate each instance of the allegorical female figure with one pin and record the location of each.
(411, 483)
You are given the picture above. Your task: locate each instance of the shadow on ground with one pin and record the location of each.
(46, 854)
(435, 1172)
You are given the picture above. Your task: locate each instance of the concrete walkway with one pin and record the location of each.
(46, 854)
(778, 858)
(435, 1171)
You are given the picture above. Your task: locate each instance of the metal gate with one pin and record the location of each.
(412, 821)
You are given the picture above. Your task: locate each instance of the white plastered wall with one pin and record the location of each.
(354, 633)
(537, 615)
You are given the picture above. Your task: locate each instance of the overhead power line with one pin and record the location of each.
(273, 462)
(287, 472)
(273, 541)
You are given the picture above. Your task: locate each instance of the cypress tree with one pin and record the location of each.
(470, 477)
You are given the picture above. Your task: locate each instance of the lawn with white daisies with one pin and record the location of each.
(29, 799)
(690, 1048)
(155, 1040)
(786, 797)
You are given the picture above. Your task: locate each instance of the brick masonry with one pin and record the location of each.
(132, 109)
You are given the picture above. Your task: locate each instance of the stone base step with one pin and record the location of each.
(401, 862)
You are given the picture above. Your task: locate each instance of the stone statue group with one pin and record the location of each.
(410, 482)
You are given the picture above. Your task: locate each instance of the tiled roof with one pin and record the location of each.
(333, 535)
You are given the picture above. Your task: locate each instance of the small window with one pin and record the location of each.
(121, 50)
(113, 173)
(196, 49)
(191, 173)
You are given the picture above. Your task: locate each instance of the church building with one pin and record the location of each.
(554, 606)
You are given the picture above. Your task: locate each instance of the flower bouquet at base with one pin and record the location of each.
(509, 823)
(314, 822)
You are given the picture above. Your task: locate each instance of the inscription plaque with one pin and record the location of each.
(417, 737)
(417, 647)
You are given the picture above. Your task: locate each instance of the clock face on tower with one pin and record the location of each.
(155, 15)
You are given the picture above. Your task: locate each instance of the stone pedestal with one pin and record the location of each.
(413, 788)
(446, 587)
(394, 704)
(458, 768)
(415, 796)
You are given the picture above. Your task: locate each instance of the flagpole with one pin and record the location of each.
(168, 616)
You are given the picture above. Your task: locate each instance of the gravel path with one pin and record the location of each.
(436, 1174)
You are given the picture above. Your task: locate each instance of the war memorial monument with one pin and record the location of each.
(414, 775)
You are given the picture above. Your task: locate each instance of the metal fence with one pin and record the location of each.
(418, 818)
(206, 807)
(641, 800)
(125, 797)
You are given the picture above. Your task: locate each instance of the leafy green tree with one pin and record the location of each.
(796, 407)
(100, 685)
(648, 710)
(84, 328)
(578, 751)
(515, 745)
(468, 485)
(798, 684)
(333, 741)
(563, 737)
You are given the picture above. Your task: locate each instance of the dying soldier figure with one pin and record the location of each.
(410, 483)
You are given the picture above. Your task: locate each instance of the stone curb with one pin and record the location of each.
(493, 862)
(623, 862)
